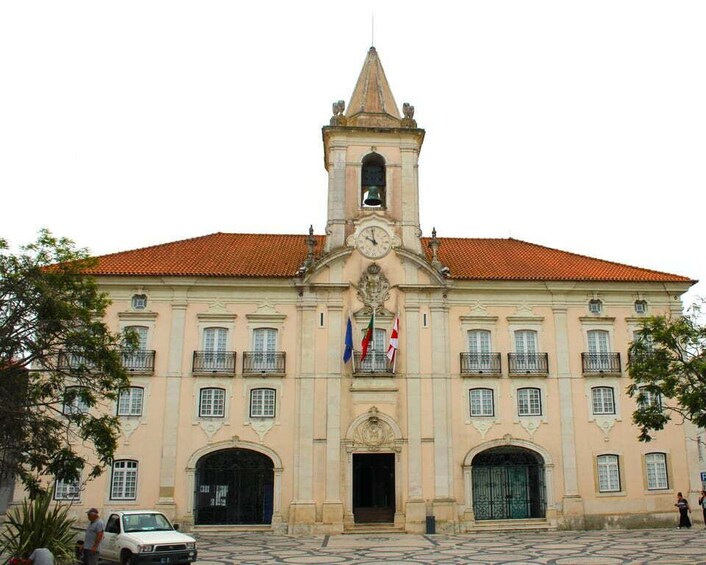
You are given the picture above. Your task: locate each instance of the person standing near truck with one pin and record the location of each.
(94, 535)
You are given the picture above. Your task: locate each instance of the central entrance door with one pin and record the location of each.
(373, 487)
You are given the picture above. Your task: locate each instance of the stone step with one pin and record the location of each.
(537, 524)
(228, 529)
(373, 528)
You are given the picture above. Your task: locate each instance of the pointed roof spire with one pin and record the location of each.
(372, 103)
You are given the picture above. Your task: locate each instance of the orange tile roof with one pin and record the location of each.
(272, 255)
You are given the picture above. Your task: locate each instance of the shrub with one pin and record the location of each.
(39, 523)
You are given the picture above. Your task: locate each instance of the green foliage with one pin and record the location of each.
(668, 366)
(39, 523)
(55, 351)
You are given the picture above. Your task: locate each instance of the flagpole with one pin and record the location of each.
(394, 359)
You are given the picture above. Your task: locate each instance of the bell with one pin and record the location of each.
(373, 197)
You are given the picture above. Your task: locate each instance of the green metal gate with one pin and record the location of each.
(508, 483)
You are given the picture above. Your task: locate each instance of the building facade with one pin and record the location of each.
(504, 402)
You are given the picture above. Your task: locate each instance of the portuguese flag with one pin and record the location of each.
(368, 337)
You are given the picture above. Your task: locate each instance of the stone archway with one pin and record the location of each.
(508, 479)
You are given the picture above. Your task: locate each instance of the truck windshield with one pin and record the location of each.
(145, 523)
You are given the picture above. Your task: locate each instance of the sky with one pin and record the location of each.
(579, 125)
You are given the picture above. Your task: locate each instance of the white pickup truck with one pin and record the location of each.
(133, 537)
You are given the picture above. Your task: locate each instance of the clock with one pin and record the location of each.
(374, 242)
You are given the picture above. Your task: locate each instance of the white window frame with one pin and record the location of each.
(211, 404)
(599, 396)
(264, 347)
(656, 471)
(78, 406)
(64, 490)
(650, 398)
(484, 402)
(608, 467)
(263, 402)
(533, 406)
(131, 401)
(640, 306)
(123, 480)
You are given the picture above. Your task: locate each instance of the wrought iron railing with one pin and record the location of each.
(220, 362)
(264, 362)
(69, 360)
(375, 362)
(600, 363)
(528, 363)
(480, 364)
(139, 361)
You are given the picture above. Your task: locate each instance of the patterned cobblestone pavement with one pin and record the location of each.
(633, 547)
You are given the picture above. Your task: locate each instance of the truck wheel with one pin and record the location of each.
(126, 558)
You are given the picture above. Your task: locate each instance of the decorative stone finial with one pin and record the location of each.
(338, 119)
(408, 120)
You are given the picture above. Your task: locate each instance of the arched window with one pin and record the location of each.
(123, 483)
(373, 181)
(603, 400)
(481, 402)
(608, 473)
(212, 403)
(130, 401)
(656, 471)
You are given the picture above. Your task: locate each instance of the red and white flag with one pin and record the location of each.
(394, 340)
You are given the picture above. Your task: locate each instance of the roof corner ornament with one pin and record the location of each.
(408, 120)
(434, 245)
(338, 119)
(310, 257)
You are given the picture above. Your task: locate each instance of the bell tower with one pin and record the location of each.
(371, 155)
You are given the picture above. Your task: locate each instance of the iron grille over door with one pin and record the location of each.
(508, 483)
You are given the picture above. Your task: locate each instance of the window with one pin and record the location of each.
(262, 403)
(479, 349)
(67, 490)
(141, 334)
(656, 467)
(123, 484)
(373, 180)
(130, 401)
(595, 306)
(640, 307)
(214, 348)
(73, 401)
(529, 402)
(264, 349)
(481, 400)
(376, 359)
(598, 341)
(526, 358)
(139, 301)
(212, 403)
(608, 473)
(603, 400)
(647, 397)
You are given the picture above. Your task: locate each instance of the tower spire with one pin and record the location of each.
(372, 103)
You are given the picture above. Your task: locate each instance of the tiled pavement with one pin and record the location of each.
(631, 547)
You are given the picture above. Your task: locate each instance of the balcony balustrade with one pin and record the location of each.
(375, 362)
(264, 362)
(481, 364)
(139, 361)
(600, 363)
(69, 360)
(210, 362)
(528, 363)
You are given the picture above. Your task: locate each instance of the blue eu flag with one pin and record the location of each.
(348, 343)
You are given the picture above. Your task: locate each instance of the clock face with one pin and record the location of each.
(374, 242)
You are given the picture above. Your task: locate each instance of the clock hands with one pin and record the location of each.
(372, 239)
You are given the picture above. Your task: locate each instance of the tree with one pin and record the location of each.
(60, 366)
(668, 368)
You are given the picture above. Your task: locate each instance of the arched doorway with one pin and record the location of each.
(508, 483)
(234, 486)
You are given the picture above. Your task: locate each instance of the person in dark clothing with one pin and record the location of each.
(702, 503)
(683, 507)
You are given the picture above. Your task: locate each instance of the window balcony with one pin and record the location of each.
(375, 363)
(214, 362)
(487, 364)
(600, 363)
(264, 363)
(140, 361)
(528, 363)
(69, 360)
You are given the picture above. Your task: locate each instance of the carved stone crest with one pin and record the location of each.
(373, 287)
(374, 433)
